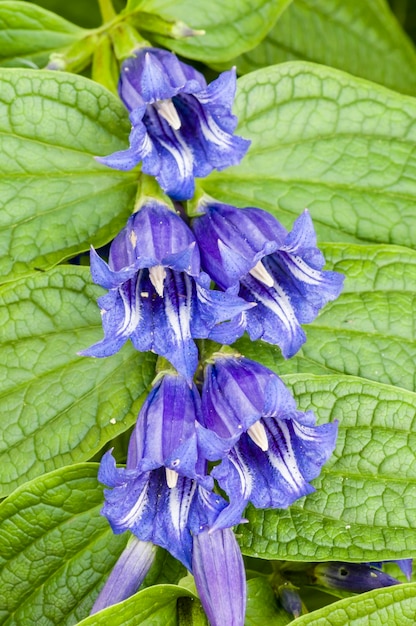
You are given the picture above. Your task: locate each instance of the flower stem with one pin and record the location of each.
(106, 10)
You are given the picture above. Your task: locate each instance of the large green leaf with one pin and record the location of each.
(230, 27)
(369, 331)
(391, 606)
(364, 508)
(362, 38)
(329, 141)
(155, 606)
(262, 607)
(28, 33)
(58, 407)
(55, 548)
(55, 198)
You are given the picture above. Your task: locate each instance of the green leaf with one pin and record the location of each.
(362, 38)
(262, 606)
(55, 548)
(364, 508)
(369, 331)
(329, 141)
(230, 27)
(55, 198)
(58, 407)
(28, 33)
(393, 605)
(155, 606)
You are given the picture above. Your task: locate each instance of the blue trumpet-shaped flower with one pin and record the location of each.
(270, 450)
(181, 128)
(219, 574)
(157, 295)
(163, 495)
(250, 251)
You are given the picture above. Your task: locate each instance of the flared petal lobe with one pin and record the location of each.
(181, 128)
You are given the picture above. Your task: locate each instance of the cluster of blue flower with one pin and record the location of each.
(159, 279)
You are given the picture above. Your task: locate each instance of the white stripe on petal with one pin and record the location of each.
(302, 271)
(279, 304)
(136, 511)
(286, 464)
(131, 312)
(243, 471)
(180, 320)
(179, 504)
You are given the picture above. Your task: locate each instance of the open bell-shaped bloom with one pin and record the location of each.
(270, 450)
(143, 503)
(157, 295)
(181, 128)
(250, 251)
(163, 495)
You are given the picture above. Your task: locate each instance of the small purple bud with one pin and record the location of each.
(220, 577)
(353, 577)
(290, 599)
(127, 575)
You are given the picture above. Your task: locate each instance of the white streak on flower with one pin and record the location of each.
(131, 313)
(171, 477)
(166, 109)
(136, 511)
(261, 274)
(133, 239)
(280, 305)
(286, 464)
(257, 433)
(157, 275)
(179, 505)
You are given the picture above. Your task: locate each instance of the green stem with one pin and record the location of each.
(106, 10)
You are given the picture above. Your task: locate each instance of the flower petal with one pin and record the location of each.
(220, 577)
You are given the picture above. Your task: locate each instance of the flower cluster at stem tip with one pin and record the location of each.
(170, 282)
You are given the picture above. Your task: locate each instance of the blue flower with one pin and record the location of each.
(270, 450)
(250, 251)
(165, 434)
(157, 295)
(181, 128)
(353, 577)
(220, 579)
(163, 495)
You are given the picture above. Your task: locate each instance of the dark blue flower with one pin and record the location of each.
(220, 579)
(181, 128)
(163, 495)
(165, 435)
(270, 450)
(250, 251)
(353, 577)
(143, 503)
(157, 295)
